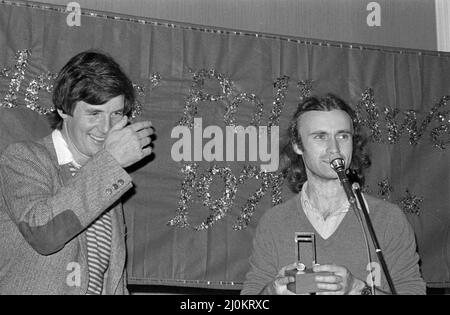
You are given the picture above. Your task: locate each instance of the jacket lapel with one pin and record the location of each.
(64, 176)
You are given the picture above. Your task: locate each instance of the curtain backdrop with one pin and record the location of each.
(183, 72)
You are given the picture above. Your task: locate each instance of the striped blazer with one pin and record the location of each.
(44, 215)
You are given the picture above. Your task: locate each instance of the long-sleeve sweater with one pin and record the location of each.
(274, 246)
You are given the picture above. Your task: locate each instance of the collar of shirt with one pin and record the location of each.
(308, 207)
(324, 227)
(327, 227)
(63, 153)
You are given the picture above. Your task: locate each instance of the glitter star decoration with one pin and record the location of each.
(385, 189)
(410, 204)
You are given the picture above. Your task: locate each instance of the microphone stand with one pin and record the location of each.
(338, 165)
(357, 190)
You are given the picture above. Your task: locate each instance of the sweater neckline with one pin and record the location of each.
(304, 218)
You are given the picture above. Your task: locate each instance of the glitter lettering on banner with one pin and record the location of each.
(281, 85)
(17, 74)
(305, 87)
(386, 125)
(44, 82)
(155, 80)
(393, 129)
(201, 183)
(232, 98)
(229, 94)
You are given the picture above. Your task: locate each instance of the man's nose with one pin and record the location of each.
(333, 146)
(105, 124)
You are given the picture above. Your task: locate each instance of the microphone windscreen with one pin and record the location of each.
(336, 161)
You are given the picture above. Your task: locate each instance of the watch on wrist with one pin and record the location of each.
(367, 290)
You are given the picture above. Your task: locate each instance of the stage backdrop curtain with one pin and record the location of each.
(225, 77)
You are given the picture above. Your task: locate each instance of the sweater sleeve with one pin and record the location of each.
(49, 216)
(401, 256)
(263, 267)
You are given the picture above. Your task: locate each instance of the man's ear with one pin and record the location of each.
(297, 149)
(60, 113)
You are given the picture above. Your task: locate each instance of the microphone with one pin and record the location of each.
(337, 163)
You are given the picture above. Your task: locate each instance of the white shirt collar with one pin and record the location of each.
(325, 228)
(63, 153)
(307, 205)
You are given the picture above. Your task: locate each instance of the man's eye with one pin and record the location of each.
(118, 113)
(320, 137)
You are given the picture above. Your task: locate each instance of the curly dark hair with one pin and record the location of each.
(293, 167)
(93, 77)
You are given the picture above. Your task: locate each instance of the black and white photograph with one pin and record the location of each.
(221, 152)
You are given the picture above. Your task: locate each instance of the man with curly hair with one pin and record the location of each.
(321, 129)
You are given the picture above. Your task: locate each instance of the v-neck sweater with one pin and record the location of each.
(274, 246)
